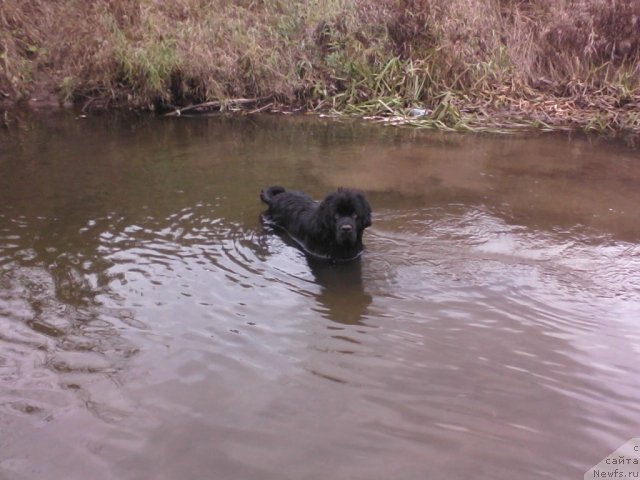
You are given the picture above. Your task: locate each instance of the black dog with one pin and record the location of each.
(331, 229)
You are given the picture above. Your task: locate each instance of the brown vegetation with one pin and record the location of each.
(469, 63)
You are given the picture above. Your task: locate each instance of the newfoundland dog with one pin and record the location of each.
(331, 229)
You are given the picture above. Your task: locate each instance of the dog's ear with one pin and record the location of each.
(327, 212)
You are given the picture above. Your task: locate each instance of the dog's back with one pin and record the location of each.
(286, 206)
(288, 209)
(268, 193)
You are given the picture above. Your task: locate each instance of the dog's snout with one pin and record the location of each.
(346, 228)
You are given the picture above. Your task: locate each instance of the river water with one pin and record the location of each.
(152, 328)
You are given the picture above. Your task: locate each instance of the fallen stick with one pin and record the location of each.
(214, 105)
(261, 109)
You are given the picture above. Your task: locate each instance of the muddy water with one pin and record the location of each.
(150, 327)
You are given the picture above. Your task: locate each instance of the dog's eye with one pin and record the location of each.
(354, 216)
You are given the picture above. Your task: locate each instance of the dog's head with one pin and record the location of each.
(347, 213)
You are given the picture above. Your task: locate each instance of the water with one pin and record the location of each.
(151, 327)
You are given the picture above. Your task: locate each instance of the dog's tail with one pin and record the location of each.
(268, 193)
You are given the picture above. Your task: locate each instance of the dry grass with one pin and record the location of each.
(471, 63)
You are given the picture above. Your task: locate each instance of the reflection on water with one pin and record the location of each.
(342, 296)
(151, 326)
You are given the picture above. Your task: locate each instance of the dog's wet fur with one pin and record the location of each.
(330, 229)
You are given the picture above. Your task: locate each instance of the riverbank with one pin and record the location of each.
(450, 64)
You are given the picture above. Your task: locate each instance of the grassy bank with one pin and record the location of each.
(466, 64)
